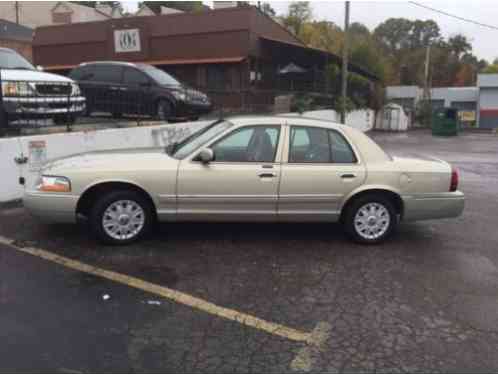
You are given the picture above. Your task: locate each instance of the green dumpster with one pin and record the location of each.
(445, 122)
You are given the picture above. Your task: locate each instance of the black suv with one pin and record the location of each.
(137, 89)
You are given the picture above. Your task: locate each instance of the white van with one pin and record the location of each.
(30, 94)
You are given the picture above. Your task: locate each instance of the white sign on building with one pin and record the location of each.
(127, 40)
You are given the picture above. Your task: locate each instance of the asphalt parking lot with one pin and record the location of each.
(425, 301)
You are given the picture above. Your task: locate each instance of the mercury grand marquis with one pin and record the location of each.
(248, 169)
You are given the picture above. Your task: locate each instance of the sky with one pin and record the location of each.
(371, 13)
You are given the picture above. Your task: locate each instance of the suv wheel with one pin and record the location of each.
(121, 217)
(163, 110)
(370, 219)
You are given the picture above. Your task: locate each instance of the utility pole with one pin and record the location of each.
(426, 97)
(345, 52)
(16, 5)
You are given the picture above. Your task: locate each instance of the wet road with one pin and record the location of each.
(427, 300)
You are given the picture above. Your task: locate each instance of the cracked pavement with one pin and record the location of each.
(425, 301)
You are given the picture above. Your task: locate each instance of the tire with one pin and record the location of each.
(370, 219)
(64, 120)
(117, 115)
(4, 122)
(130, 202)
(164, 110)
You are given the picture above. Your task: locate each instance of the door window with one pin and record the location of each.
(309, 145)
(134, 77)
(319, 145)
(107, 73)
(249, 144)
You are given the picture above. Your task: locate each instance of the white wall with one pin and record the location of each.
(362, 120)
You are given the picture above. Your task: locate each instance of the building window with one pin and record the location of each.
(215, 77)
(61, 17)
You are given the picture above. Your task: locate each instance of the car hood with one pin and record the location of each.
(113, 160)
(31, 75)
(420, 163)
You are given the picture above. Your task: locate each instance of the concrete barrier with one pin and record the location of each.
(362, 119)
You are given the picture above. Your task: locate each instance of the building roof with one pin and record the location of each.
(455, 94)
(487, 80)
(12, 31)
(402, 92)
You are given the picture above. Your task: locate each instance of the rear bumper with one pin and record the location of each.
(43, 107)
(433, 206)
(51, 208)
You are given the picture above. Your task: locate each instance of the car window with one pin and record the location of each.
(248, 144)
(309, 145)
(134, 77)
(107, 73)
(341, 149)
(78, 73)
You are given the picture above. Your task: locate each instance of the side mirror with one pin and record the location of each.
(206, 155)
(39, 68)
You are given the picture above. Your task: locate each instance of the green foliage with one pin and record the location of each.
(268, 9)
(184, 6)
(302, 103)
(299, 13)
(491, 69)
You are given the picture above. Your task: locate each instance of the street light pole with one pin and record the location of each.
(345, 52)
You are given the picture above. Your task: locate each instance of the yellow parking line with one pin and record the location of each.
(171, 294)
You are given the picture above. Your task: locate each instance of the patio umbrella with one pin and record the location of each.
(291, 68)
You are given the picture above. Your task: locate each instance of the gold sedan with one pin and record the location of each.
(248, 169)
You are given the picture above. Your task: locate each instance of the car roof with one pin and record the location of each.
(292, 119)
(117, 63)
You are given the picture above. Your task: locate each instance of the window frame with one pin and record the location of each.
(278, 147)
(331, 155)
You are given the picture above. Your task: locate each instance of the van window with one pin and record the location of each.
(134, 77)
(107, 73)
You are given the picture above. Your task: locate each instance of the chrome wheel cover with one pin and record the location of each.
(123, 220)
(372, 221)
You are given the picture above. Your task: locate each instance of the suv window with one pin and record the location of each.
(134, 77)
(248, 144)
(319, 145)
(106, 73)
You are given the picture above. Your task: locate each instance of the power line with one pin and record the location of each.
(454, 16)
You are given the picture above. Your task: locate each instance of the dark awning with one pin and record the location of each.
(309, 53)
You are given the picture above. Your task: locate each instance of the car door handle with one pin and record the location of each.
(348, 175)
(267, 175)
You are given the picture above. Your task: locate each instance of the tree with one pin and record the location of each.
(184, 6)
(394, 34)
(268, 9)
(491, 69)
(459, 45)
(299, 13)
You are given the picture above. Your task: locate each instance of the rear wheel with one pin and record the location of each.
(164, 110)
(121, 217)
(370, 219)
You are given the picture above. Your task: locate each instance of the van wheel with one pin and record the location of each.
(64, 120)
(121, 217)
(370, 219)
(163, 110)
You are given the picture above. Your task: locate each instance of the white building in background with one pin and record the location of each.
(464, 99)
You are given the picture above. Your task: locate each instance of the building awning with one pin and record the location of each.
(214, 60)
(315, 53)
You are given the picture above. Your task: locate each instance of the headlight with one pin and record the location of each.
(179, 95)
(11, 88)
(54, 184)
(75, 89)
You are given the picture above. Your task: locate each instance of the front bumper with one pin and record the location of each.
(51, 207)
(43, 107)
(433, 206)
(191, 109)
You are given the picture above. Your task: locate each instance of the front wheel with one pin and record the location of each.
(370, 219)
(163, 110)
(121, 217)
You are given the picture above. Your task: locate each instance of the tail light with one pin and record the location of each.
(454, 180)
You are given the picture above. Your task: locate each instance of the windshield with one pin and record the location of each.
(11, 60)
(196, 140)
(161, 77)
